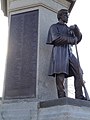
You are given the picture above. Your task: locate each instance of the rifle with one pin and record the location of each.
(83, 84)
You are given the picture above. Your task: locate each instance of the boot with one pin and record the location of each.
(78, 90)
(61, 94)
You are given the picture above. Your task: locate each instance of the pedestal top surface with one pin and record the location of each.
(65, 101)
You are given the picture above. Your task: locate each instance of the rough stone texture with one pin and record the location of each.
(60, 109)
(65, 112)
(65, 101)
(64, 109)
(19, 111)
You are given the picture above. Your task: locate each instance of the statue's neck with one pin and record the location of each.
(61, 22)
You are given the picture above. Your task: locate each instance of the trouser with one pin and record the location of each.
(74, 70)
(60, 86)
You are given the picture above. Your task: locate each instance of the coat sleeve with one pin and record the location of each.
(55, 38)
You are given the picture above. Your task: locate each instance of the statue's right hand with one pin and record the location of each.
(72, 41)
(75, 40)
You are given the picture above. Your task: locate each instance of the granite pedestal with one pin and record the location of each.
(57, 109)
(29, 93)
(28, 55)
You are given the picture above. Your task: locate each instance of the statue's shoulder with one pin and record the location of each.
(53, 26)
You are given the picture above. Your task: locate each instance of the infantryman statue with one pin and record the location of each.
(63, 63)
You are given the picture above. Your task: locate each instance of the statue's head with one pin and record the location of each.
(63, 15)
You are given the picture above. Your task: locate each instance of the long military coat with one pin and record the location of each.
(59, 36)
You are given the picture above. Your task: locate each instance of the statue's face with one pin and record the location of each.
(64, 17)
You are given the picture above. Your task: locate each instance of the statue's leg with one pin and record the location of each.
(74, 69)
(78, 88)
(60, 86)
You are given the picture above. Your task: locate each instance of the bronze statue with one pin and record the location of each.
(63, 63)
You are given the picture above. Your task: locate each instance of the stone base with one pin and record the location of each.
(65, 109)
(59, 109)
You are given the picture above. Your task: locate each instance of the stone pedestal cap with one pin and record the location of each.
(12, 5)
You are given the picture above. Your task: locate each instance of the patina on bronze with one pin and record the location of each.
(63, 63)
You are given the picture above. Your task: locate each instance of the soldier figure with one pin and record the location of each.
(63, 63)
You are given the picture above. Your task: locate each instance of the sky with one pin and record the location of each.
(3, 47)
(79, 16)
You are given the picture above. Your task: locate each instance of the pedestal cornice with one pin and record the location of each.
(53, 5)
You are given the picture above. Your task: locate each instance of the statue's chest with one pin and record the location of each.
(63, 29)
